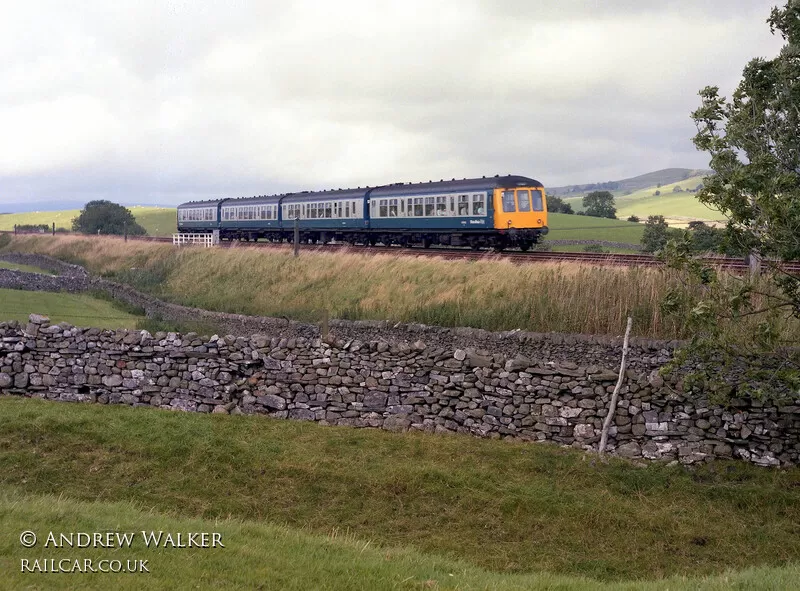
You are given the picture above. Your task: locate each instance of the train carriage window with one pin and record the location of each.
(430, 204)
(508, 202)
(452, 210)
(384, 208)
(478, 204)
(538, 200)
(392, 208)
(523, 200)
(441, 205)
(418, 207)
(402, 207)
(463, 205)
(347, 209)
(329, 210)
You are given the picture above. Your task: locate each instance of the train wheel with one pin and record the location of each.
(426, 243)
(525, 246)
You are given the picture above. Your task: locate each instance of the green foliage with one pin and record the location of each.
(600, 204)
(754, 144)
(657, 193)
(105, 217)
(656, 233)
(33, 228)
(596, 248)
(5, 240)
(558, 205)
(633, 218)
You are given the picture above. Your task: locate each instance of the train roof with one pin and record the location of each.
(206, 203)
(478, 184)
(357, 193)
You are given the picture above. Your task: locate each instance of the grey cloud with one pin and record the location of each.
(254, 97)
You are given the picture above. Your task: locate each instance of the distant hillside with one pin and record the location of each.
(651, 179)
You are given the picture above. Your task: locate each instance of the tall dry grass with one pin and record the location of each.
(492, 294)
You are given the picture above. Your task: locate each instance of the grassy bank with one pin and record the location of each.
(499, 506)
(489, 293)
(257, 555)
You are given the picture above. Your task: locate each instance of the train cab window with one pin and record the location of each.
(508, 202)
(523, 200)
(392, 208)
(463, 205)
(418, 207)
(441, 205)
(538, 200)
(478, 205)
(429, 206)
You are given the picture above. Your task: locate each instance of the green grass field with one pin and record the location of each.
(158, 221)
(581, 227)
(77, 309)
(479, 505)
(266, 556)
(25, 268)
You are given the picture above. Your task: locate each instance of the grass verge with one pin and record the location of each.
(264, 556)
(497, 505)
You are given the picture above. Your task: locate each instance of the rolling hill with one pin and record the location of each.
(666, 176)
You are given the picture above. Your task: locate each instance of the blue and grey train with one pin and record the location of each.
(496, 212)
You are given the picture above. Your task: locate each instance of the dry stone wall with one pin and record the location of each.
(398, 386)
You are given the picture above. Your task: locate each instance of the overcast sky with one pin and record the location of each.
(159, 102)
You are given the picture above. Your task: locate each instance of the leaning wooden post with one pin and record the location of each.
(54, 228)
(612, 407)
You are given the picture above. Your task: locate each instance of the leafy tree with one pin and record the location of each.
(558, 205)
(633, 218)
(105, 217)
(600, 204)
(677, 189)
(656, 234)
(657, 193)
(754, 144)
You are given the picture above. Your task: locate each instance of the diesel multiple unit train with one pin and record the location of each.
(496, 212)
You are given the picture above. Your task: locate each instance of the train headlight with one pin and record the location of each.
(539, 221)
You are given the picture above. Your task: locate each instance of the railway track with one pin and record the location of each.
(611, 259)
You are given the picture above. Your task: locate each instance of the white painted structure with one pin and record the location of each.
(206, 239)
